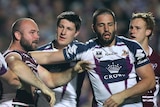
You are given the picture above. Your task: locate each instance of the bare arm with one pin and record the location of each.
(147, 82)
(56, 79)
(12, 79)
(50, 57)
(7, 75)
(25, 74)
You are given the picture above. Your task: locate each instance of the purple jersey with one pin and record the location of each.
(23, 97)
(150, 98)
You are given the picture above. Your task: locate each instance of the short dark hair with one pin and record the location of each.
(102, 11)
(70, 16)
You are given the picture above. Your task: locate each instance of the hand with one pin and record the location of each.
(50, 96)
(114, 101)
(82, 66)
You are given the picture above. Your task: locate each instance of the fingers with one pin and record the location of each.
(110, 103)
(50, 96)
(85, 65)
(82, 66)
(52, 100)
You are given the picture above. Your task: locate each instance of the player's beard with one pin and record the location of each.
(26, 45)
(106, 42)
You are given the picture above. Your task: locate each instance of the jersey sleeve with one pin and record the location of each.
(140, 56)
(138, 52)
(74, 51)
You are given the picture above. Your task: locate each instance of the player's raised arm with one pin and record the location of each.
(56, 79)
(50, 57)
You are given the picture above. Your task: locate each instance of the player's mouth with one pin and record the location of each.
(36, 42)
(106, 35)
(62, 38)
(132, 37)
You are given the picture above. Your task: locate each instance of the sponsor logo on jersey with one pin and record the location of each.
(113, 68)
(114, 71)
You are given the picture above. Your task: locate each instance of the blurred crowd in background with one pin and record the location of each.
(44, 12)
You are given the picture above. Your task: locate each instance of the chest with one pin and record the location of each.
(29, 61)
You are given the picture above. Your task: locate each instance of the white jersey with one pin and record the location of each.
(3, 65)
(67, 95)
(2, 61)
(113, 67)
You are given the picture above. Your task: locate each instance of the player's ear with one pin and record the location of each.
(17, 35)
(77, 33)
(148, 32)
(93, 28)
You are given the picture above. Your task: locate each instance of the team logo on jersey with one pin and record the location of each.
(125, 53)
(99, 54)
(113, 68)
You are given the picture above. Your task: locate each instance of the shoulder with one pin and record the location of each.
(120, 39)
(131, 44)
(75, 44)
(46, 46)
(11, 55)
(154, 54)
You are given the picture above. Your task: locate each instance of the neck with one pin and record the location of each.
(14, 46)
(57, 46)
(145, 46)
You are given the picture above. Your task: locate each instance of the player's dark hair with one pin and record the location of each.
(72, 17)
(102, 11)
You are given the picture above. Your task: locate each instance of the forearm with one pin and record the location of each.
(69, 74)
(147, 81)
(139, 89)
(12, 79)
(56, 79)
(64, 77)
(50, 57)
(26, 74)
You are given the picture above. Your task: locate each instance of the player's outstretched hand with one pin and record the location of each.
(82, 66)
(50, 95)
(115, 100)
